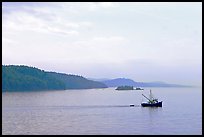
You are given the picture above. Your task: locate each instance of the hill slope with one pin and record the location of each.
(76, 82)
(24, 78)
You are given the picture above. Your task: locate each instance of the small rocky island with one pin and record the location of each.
(139, 89)
(127, 88)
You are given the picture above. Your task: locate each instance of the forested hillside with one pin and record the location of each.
(77, 82)
(24, 78)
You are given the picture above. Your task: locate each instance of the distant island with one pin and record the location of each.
(24, 78)
(139, 89)
(127, 88)
(124, 88)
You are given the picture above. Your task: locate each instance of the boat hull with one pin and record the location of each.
(158, 104)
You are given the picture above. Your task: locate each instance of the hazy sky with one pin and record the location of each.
(142, 41)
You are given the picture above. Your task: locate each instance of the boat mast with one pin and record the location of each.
(152, 98)
(148, 99)
(150, 95)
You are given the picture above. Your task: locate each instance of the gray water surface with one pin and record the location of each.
(102, 112)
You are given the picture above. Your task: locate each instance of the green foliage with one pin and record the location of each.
(77, 82)
(24, 78)
(125, 88)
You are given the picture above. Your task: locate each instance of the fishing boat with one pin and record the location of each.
(152, 102)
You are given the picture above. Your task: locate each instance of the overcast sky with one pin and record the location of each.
(142, 41)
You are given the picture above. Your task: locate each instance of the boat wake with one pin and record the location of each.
(94, 106)
(66, 107)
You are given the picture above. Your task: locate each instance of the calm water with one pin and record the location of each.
(102, 111)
